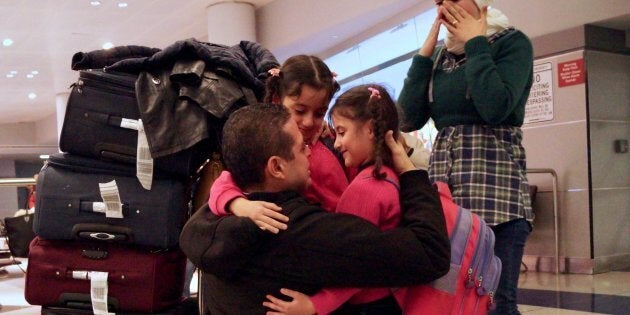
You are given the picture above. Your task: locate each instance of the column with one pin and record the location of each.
(229, 22)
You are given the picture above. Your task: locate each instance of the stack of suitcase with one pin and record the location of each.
(91, 253)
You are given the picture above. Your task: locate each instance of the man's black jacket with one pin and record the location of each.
(242, 263)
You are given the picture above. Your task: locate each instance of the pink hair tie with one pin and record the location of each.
(375, 93)
(274, 72)
(334, 74)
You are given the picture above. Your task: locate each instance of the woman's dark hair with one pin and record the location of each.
(298, 71)
(359, 104)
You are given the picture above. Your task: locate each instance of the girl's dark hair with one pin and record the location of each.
(359, 104)
(298, 71)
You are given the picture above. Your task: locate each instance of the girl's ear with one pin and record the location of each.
(369, 128)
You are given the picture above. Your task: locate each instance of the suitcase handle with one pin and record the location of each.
(91, 206)
(102, 232)
(84, 301)
(105, 119)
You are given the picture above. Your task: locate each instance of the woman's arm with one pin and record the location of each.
(413, 99)
(498, 86)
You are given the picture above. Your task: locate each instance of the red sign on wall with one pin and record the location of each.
(571, 73)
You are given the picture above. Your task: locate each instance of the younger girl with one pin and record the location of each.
(360, 119)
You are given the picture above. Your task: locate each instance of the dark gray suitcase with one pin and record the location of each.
(68, 187)
(97, 107)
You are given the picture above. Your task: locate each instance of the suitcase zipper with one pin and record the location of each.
(109, 83)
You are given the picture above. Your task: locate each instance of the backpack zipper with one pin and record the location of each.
(486, 260)
(495, 275)
(470, 282)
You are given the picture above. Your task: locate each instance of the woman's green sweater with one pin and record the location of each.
(490, 88)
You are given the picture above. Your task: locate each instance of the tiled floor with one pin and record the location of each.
(539, 294)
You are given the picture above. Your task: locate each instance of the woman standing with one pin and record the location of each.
(475, 88)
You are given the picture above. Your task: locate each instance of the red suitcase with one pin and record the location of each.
(139, 280)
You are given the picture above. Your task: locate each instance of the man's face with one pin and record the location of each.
(298, 177)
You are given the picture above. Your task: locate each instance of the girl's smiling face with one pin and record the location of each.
(308, 110)
(354, 140)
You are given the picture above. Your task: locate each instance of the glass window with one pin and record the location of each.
(345, 63)
(384, 59)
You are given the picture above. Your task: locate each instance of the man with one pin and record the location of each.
(266, 154)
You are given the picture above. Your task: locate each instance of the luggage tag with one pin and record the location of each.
(144, 161)
(98, 292)
(111, 199)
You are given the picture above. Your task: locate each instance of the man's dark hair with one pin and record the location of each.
(251, 136)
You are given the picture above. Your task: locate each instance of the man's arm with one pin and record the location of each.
(338, 250)
(326, 249)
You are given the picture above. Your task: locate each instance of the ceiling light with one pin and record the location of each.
(7, 42)
(34, 72)
(10, 75)
(44, 156)
(95, 3)
(13, 72)
(32, 96)
(30, 76)
(122, 4)
(108, 45)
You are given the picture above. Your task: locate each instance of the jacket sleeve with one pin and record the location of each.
(499, 85)
(223, 190)
(220, 245)
(413, 99)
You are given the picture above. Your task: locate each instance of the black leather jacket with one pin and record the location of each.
(178, 86)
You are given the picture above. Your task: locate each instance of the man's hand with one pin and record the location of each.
(401, 161)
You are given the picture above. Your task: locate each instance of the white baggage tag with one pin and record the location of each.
(81, 275)
(129, 123)
(98, 292)
(144, 161)
(111, 198)
(99, 207)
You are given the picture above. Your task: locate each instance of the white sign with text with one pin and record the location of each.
(539, 106)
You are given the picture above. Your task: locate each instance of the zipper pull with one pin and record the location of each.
(491, 304)
(79, 86)
(479, 281)
(470, 282)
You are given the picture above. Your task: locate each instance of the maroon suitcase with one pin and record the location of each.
(139, 280)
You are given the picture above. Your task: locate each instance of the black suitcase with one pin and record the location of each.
(100, 104)
(68, 188)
